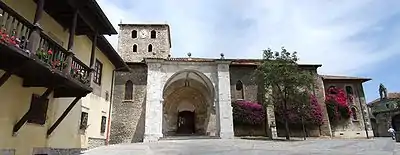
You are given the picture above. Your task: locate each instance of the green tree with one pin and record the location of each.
(289, 83)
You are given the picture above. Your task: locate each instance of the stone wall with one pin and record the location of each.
(127, 121)
(95, 142)
(161, 44)
(247, 75)
(351, 127)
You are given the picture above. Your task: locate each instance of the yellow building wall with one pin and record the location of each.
(14, 103)
(67, 134)
(27, 8)
(95, 103)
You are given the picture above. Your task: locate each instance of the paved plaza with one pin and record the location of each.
(377, 146)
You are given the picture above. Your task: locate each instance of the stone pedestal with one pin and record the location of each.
(224, 107)
(154, 110)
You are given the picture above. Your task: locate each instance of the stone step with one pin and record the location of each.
(188, 137)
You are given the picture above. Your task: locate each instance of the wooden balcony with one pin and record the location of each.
(47, 66)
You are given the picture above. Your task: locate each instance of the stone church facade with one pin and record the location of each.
(164, 96)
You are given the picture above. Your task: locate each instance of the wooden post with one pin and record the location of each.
(71, 38)
(34, 38)
(63, 115)
(92, 56)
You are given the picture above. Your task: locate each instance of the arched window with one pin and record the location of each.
(134, 34)
(128, 90)
(349, 90)
(134, 48)
(331, 90)
(153, 34)
(354, 113)
(239, 93)
(150, 48)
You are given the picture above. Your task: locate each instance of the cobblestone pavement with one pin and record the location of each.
(377, 146)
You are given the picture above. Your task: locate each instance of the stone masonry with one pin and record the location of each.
(161, 44)
(145, 118)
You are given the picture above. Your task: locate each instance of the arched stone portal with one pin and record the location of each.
(201, 88)
(188, 94)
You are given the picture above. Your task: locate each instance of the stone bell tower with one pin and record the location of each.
(138, 41)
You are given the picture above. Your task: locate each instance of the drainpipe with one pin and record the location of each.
(109, 108)
(362, 112)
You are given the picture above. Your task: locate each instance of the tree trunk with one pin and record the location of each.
(286, 123)
(304, 128)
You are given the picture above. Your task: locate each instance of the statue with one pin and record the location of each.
(382, 91)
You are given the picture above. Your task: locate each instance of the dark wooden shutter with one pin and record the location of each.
(38, 110)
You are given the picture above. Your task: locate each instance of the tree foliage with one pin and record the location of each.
(311, 113)
(289, 83)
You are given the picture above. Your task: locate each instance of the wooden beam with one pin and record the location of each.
(5, 77)
(63, 115)
(24, 118)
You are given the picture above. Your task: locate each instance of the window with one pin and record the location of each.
(153, 34)
(128, 90)
(103, 124)
(134, 34)
(98, 67)
(150, 48)
(349, 90)
(84, 121)
(331, 90)
(38, 110)
(134, 48)
(354, 113)
(239, 93)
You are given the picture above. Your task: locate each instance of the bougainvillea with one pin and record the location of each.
(336, 104)
(311, 113)
(248, 113)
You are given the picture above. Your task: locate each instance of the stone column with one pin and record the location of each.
(224, 107)
(270, 115)
(154, 111)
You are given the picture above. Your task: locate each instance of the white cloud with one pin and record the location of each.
(322, 31)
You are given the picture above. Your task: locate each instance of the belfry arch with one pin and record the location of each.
(188, 104)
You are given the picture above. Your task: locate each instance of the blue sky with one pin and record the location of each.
(355, 38)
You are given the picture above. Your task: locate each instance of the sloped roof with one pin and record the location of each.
(390, 96)
(335, 77)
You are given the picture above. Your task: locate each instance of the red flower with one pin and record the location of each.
(50, 51)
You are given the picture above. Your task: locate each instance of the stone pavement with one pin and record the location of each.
(377, 146)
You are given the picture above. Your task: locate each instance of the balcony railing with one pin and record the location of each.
(15, 31)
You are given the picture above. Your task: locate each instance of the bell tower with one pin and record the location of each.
(138, 41)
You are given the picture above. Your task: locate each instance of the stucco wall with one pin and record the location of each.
(15, 102)
(67, 135)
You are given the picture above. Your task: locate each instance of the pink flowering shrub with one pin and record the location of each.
(311, 113)
(248, 113)
(336, 104)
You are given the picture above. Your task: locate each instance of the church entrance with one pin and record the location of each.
(396, 122)
(186, 123)
(187, 107)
